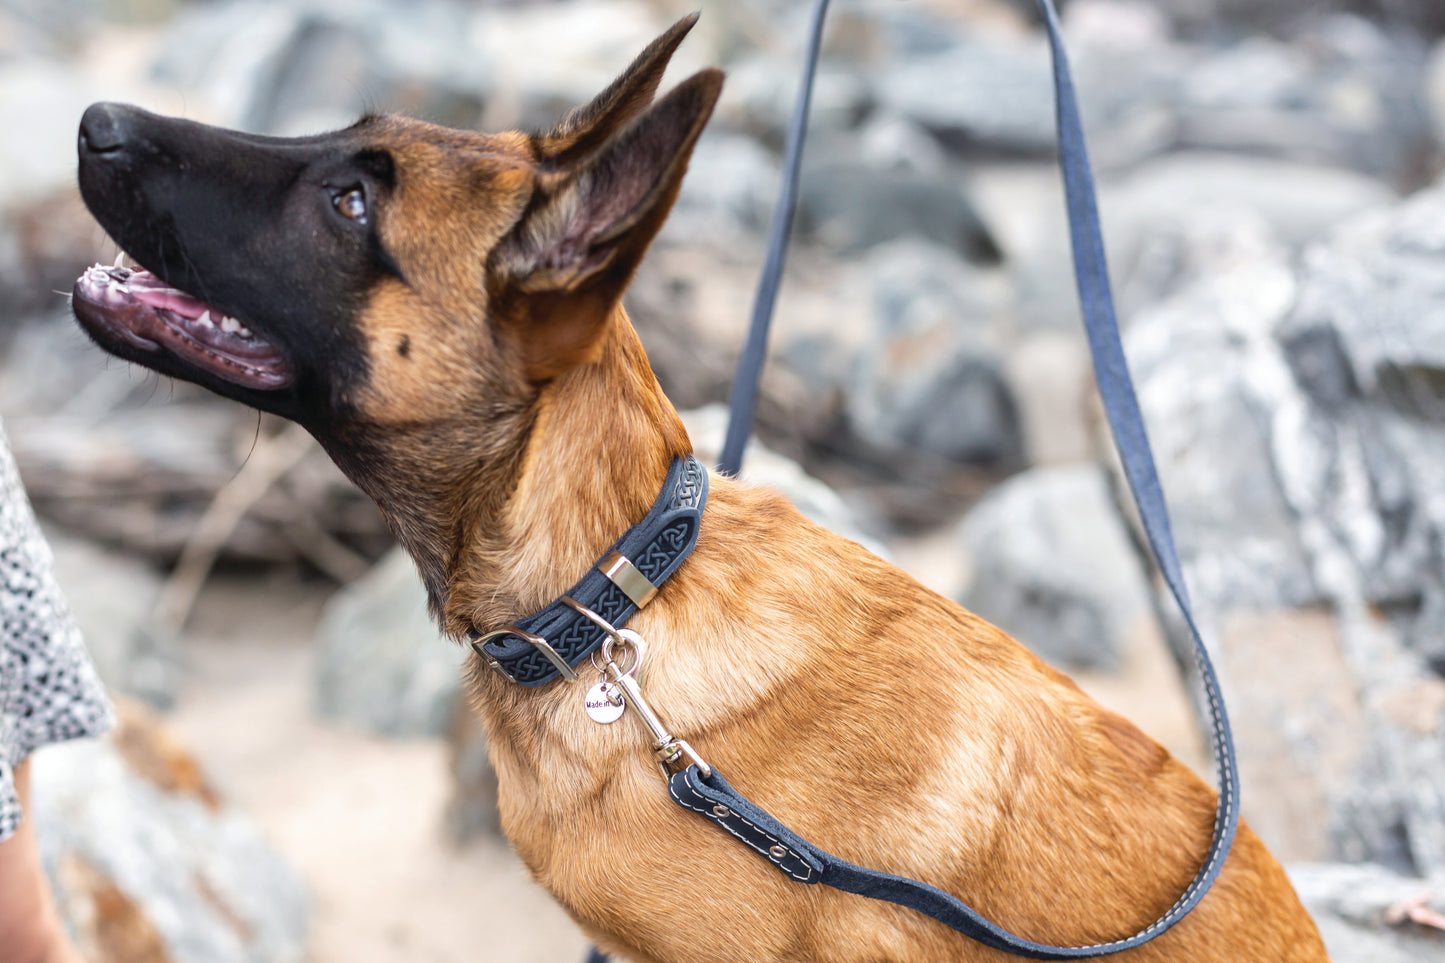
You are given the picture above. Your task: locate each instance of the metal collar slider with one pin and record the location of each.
(621, 572)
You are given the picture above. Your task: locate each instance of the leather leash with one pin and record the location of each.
(743, 398)
(715, 799)
(702, 789)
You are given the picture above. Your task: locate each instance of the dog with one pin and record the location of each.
(441, 310)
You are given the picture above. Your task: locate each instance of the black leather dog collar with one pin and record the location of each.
(550, 643)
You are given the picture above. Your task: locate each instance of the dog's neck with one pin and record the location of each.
(600, 441)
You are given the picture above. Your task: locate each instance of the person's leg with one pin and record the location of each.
(30, 930)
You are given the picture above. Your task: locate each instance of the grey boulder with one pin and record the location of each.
(147, 862)
(382, 665)
(1052, 565)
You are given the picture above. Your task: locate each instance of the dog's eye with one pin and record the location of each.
(351, 204)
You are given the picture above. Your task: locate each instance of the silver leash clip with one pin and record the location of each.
(671, 753)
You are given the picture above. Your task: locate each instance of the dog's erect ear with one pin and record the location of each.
(589, 127)
(554, 280)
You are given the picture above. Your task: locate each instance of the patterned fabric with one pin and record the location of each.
(49, 691)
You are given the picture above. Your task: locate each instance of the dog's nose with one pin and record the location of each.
(103, 129)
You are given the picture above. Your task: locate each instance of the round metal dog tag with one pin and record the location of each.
(602, 709)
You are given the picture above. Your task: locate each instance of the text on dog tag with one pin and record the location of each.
(600, 703)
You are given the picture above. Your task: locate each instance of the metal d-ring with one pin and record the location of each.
(629, 640)
(667, 749)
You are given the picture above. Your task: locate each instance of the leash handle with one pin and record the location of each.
(743, 398)
(716, 800)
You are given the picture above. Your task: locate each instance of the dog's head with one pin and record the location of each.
(389, 275)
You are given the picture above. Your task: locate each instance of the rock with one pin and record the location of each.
(707, 428)
(300, 68)
(382, 664)
(141, 478)
(472, 807)
(102, 461)
(1206, 371)
(1052, 565)
(985, 91)
(58, 19)
(1167, 222)
(1299, 442)
(45, 243)
(149, 864)
(1167, 219)
(850, 207)
(1378, 292)
(1344, 92)
(40, 105)
(690, 304)
(1360, 911)
(1423, 15)
(112, 598)
(1121, 24)
(227, 54)
(584, 50)
(1208, 18)
(909, 31)
(960, 410)
(927, 377)
(762, 89)
(728, 194)
(1435, 92)
(21, 36)
(894, 143)
(1364, 343)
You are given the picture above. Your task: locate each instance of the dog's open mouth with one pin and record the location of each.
(134, 308)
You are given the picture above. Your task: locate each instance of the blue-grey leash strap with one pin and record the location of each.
(742, 399)
(715, 799)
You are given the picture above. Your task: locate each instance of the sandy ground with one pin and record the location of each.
(360, 817)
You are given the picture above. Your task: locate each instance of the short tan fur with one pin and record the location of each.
(510, 429)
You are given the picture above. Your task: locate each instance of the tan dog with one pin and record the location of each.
(441, 310)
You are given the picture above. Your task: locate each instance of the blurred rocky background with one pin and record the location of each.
(297, 775)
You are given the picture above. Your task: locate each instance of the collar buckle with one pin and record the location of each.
(541, 644)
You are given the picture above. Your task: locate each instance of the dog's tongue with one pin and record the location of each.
(134, 310)
(151, 290)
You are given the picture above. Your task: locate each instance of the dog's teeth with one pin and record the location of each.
(231, 326)
(119, 260)
(205, 320)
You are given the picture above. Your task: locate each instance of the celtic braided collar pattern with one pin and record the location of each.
(616, 587)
